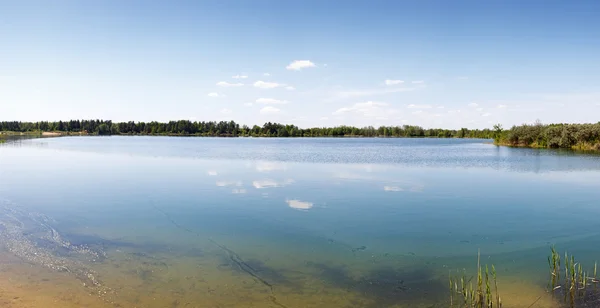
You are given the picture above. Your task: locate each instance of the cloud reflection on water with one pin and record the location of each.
(268, 166)
(228, 183)
(299, 205)
(260, 184)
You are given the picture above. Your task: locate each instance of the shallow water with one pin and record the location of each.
(208, 222)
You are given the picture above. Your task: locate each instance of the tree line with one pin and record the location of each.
(568, 136)
(232, 129)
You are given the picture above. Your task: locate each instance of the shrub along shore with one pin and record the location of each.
(538, 135)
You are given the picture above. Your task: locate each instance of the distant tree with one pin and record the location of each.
(103, 129)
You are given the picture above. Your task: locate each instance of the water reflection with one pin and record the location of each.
(260, 184)
(357, 232)
(268, 166)
(228, 183)
(272, 155)
(299, 205)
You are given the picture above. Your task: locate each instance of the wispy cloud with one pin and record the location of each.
(212, 173)
(290, 88)
(213, 94)
(487, 114)
(367, 109)
(341, 95)
(226, 111)
(270, 101)
(227, 84)
(501, 106)
(415, 106)
(239, 77)
(270, 110)
(248, 104)
(268, 85)
(300, 64)
(391, 82)
(473, 105)
(418, 82)
(266, 74)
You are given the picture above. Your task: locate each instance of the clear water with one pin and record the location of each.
(209, 222)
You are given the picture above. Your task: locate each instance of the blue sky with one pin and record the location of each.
(312, 63)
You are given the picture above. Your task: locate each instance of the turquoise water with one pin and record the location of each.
(209, 222)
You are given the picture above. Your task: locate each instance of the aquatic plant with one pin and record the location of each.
(480, 297)
(574, 285)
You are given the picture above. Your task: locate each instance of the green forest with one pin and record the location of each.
(232, 129)
(538, 135)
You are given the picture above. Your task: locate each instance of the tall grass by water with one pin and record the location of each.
(571, 283)
(464, 294)
(578, 286)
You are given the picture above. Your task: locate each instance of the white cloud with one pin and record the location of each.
(270, 110)
(299, 205)
(239, 77)
(417, 112)
(501, 106)
(391, 82)
(226, 111)
(413, 106)
(392, 188)
(266, 74)
(473, 105)
(418, 82)
(248, 104)
(479, 109)
(227, 84)
(300, 64)
(213, 94)
(271, 183)
(270, 101)
(487, 114)
(212, 173)
(324, 118)
(267, 85)
(238, 191)
(290, 88)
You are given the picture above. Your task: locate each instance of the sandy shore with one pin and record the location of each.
(50, 134)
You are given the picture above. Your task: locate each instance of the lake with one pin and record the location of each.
(253, 222)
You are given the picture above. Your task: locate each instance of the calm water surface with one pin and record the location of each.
(207, 222)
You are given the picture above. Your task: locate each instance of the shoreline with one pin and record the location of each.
(580, 147)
